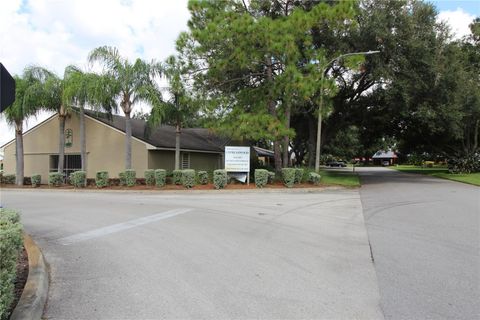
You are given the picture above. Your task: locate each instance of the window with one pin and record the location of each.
(72, 162)
(185, 160)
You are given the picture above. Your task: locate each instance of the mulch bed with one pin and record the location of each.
(22, 275)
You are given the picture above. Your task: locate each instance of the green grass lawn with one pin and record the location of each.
(442, 172)
(340, 178)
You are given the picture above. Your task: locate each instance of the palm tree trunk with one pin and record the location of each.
(19, 154)
(83, 143)
(277, 155)
(177, 147)
(128, 141)
(61, 142)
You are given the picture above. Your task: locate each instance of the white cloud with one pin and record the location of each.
(56, 33)
(458, 21)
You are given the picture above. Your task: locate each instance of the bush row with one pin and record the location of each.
(10, 246)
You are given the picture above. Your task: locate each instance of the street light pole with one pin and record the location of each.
(320, 106)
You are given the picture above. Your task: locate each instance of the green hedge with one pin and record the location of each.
(288, 176)
(188, 178)
(202, 177)
(55, 179)
(220, 178)
(298, 175)
(150, 177)
(160, 177)
(261, 178)
(101, 179)
(177, 177)
(121, 178)
(9, 179)
(130, 177)
(10, 246)
(314, 178)
(36, 180)
(78, 179)
(271, 177)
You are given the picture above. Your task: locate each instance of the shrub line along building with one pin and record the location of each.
(200, 148)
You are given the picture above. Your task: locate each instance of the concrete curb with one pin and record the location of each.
(34, 296)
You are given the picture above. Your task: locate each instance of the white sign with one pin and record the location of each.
(237, 159)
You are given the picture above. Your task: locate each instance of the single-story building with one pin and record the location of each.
(382, 157)
(200, 149)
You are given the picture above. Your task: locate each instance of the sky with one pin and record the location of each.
(57, 33)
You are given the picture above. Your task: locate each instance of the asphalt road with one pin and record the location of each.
(425, 237)
(216, 255)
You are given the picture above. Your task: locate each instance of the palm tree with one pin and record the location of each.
(86, 89)
(179, 108)
(131, 83)
(26, 104)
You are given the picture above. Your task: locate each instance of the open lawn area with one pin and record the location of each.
(339, 177)
(442, 172)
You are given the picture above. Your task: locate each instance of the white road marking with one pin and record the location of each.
(120, 227)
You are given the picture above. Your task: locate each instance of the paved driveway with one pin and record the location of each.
(214, 255)
(425, 237)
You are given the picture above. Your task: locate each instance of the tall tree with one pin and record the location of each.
(130, 83)
(247, 59)
(26, 104)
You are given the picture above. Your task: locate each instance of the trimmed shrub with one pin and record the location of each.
(101, 179)
(314, 178)
(298, 175)
(188, 178)
(261, 178)
(150, 177)
(220, 178)
(121, 177)
(271, 177)
(27, 181)
(10, 246)
(130, 177)
(288, 176)
(55, 179)
(78, 179)
(9, 179)
(160, 177)
(202, 177)
(36, 180)
(177, 176)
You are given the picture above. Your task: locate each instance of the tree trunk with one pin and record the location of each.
(286, 139)
(311, 141)
(177, 147)
(475, 136)
(83, 142)
(61, 142)
(19, 153)
(277, 155)
(128, 141)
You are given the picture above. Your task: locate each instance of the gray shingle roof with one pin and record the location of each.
(200, 139)
(384, 154)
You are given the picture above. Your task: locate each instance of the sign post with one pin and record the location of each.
(7, 89)
(237, 160)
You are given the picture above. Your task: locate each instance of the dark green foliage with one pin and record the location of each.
(465, 164)
(188, 178)
(9, 179)
(314, 178)
(101, 179)
(36, 180)
(55, 179)
(261, 177)
(177, 177)
(271, 177)
(10, 246)
(298, 175)
(220, 178)
(130, 177)
(121, 177)
(202, 177)
(288, 177)
(160, 177)
(78, 179)
(150, 177)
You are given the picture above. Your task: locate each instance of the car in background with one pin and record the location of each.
(338, 164)
(385, 163)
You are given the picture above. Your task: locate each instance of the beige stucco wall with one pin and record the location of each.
(165, 159)
(105, 148)
(205, 161)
